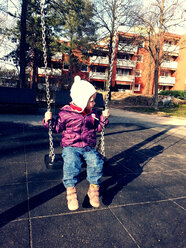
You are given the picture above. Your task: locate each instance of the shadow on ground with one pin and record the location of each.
(120, 170)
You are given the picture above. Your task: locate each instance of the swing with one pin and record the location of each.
(53, 160)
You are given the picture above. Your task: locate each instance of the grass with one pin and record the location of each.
(174, 111)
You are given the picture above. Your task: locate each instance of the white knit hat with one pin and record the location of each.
(81, 91)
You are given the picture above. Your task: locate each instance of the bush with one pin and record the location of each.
(181, 94)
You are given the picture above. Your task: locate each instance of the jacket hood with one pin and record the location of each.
(81, 91)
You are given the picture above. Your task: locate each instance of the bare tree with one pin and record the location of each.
(23, 43)
(8, 17)
(106, 16)
(152, 25)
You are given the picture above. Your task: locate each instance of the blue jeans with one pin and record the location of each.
(72, 157)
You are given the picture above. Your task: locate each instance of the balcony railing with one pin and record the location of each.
(163, 80)
(131, 49)
(50, 72)
(126, 78)
(173, 49)
(170, 65)
(126, 63)
(99, 60)
(98, 75)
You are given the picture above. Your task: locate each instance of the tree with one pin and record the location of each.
(7, 18)
(28, 31)
(77, 26)
(106, 16)
(152, 24)
(23, 43)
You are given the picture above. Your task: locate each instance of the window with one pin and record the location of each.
(137, 87)
(124, 56)
(164, 73)
(139, 58)
(142, 44)
(171, 42)
(56, 65)
(122, 72)
(98, 69)
(84, 68)
(124, 87)
(65, 66)
(138, 73)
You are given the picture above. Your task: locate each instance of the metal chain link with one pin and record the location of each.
(51, 145)
(102, 140)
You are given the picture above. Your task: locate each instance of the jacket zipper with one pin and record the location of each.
(81, 130)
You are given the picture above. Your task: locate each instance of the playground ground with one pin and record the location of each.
(142, 192)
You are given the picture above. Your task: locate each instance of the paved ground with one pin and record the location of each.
(142, 192)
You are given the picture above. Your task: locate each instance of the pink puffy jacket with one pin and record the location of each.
(77, 130)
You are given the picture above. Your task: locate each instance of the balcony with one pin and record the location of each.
(99, 60)
(126, 63)
(126, 78)
(131, 49)
(163, 80)
(98, 75)
(169, 65)
(49, 71)
(171, 49)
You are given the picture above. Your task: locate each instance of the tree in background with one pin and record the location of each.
(152, 22)
(23, 30)
(67, 19)
(28, 31)
(77, 27)
(106, 16)
(7, 42)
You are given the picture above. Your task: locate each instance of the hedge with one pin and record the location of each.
(181, 94)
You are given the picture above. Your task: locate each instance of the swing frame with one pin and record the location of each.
(51, 160)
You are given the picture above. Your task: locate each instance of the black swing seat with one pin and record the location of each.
(56, 164)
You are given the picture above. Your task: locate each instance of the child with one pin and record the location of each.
(78, 123)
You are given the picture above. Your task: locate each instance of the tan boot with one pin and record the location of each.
(93, 194)
(72, 201)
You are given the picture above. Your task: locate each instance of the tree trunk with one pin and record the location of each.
(149, 77)
(22, 62)
(33, 69)
(156, 75)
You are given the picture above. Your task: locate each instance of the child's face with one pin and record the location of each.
(91, 102)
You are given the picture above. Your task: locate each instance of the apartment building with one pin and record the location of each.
(133, 67)
(133, 70)
(125, 66)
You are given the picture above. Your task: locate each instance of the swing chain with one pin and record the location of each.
(51, 145)
(102, 140)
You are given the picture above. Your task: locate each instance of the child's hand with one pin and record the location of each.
(105, 113)
(48, 116)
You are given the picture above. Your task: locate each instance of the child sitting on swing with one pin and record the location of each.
(78, 123)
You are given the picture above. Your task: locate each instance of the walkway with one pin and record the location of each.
(142, 193)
